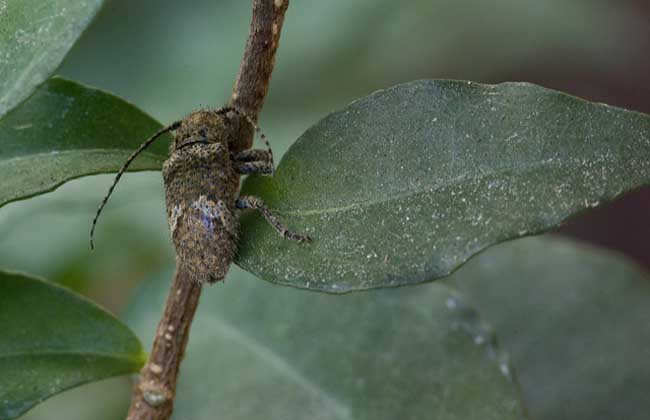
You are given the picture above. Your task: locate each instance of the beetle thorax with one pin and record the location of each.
(202, 127)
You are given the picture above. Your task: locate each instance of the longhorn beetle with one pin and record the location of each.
(201, 178)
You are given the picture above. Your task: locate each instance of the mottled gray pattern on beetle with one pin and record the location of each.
(201, 180)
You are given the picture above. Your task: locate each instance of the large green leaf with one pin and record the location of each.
(53, 340)
(66, 130)
(405, 185)
(575, 322)
(35, 35)
(260, 351)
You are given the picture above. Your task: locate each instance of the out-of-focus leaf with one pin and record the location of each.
(288, 354)
(47, 235)
(575, 322)
(66, 130)
(53, 340)
(103, 400)
(321, 65)
(405, 185)
(35, 35)
(371, 47)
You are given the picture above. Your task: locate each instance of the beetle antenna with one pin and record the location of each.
(142, 147)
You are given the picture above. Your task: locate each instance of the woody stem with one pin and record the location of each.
(154, 393)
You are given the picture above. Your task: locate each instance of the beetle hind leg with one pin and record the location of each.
(252, 202)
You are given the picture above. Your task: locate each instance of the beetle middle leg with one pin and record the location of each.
(256, 167)
(252, 202)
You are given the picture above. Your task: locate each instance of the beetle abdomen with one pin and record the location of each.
(200, 201)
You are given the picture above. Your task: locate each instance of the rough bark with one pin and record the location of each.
(254, 76)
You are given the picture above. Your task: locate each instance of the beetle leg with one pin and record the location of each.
(253, 161)
(255, 167)
(250, 155)
(252, 202)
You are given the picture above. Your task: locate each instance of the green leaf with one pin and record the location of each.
(53, 340)
(107, 399)
(66, 130)
(390, 354)
(405, 185)
(34, 38)
(575, 322)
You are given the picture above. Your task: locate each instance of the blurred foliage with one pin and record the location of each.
(261, 351)
(171, 57)
(574, 320)
(54, 340)
(48, 236)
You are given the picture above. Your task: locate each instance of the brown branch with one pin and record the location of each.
(153, 395)
(154, 392)
(257, 63)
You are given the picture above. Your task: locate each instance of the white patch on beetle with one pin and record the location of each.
(177, 211)
(209, 212)
(202, 204)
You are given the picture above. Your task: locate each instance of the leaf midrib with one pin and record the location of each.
(433, 188)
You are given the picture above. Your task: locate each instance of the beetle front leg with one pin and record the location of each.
(254, 161)
(250, 155)
(252, 202)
